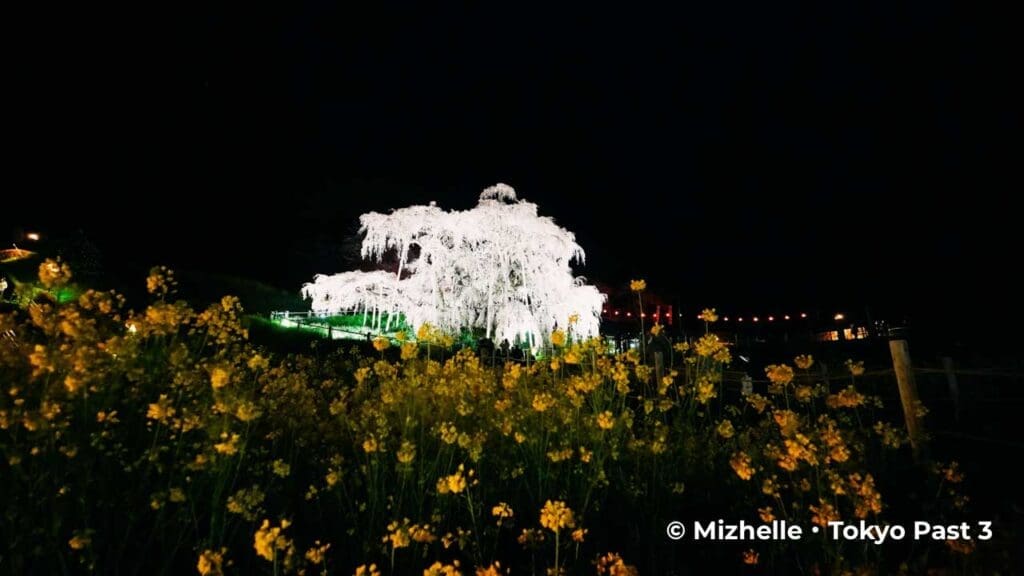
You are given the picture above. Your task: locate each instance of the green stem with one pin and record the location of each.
(556, 551)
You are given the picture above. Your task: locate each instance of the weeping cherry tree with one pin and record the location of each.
(498, 267)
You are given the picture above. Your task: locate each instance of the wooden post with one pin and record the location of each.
(954, 387)
(900, 351)
(659, 367)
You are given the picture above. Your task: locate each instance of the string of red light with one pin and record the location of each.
(769, 318)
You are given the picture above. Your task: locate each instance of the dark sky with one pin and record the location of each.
(762, 154)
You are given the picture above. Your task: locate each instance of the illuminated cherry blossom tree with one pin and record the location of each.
(498, 267)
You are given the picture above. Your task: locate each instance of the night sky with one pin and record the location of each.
(762, 155)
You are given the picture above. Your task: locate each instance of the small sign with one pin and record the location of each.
(746, 385)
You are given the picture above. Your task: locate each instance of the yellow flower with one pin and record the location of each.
(723, 356)
(804, 361)
(606, 420)
(109, 417)
(406, 453)
(637, 285)
(454, 483)
(439, 569)
(219, 377)
(381, 343)
(611, 564)
(72, 383)
(560, 455)
(708, 345)
(656, 329)
(398, 534)
(555, 365)
(316, 554)
(788, 422)
(258, 362)
(268, 540)
(530, 537)
(681, 347)
(766, 514)
(573, 318)
(161, 411)
(847, 398)
(54, 273)
(160, 281)
(421, 533)
(803, 393)
(855, 368)
(706, 390)
(229, 446)
(780, 374)
(750, 557)
(891, 436)
(362, 374)
(834, 441)
(556, 515)
(176, 495)
(867, 500)
(798, 448)
(725, 429)
(708, 315)
(502, 512)
(952, 473)
(543, 401)
(80, 540)
(449, 433)
(741, 464)
(247, 411)
(558, 338)
(401, 336)
(758, 402)
(370, 445)
(281, 468)
(365, 570)
(492, 570)
(579, 534)
(823, 514)
(211, 563)
(408, 350)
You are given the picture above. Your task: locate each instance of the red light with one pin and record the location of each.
(726, 319)
(643, 314)
(740, 319)
(786, 317)
(803, 314)
(629, 314)
(756, 318)
(616, 312)
(771, 318)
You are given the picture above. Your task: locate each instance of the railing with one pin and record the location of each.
(289, 315)
(316, 321)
